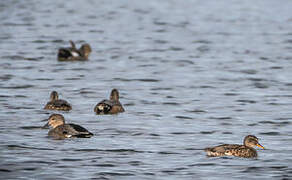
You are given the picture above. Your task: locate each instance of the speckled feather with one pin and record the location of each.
(58, 104)
(231, 150)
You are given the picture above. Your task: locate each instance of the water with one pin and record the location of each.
(191, 74)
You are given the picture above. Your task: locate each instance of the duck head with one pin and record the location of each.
(55, 120)
(252, 141)
(85, 50)
(54, 96)
(114, 95)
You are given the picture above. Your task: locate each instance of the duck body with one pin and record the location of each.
(57, 104)
(246, 150)
(60, 105)
(69, 131)
(68, 54)
(108, 107)
(74, 54)
(231, 150)
(111, 106)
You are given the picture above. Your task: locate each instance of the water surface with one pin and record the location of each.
(191, 74)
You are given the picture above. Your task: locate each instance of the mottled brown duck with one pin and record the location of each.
(57, 104)
(246, 150)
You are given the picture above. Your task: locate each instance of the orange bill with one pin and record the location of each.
(258, 145)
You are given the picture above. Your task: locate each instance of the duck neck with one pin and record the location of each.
(56, 124)
(114, 95)
(54, 96)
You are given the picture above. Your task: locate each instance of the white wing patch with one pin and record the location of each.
(100, 107)
(75, 54)
(68, 136)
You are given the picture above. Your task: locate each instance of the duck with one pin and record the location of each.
(57, 104)
(246, 150)
(111, 106)
(74, 54)
(61, 130)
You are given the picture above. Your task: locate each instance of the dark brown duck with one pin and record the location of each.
(111, 106)
(74, 54)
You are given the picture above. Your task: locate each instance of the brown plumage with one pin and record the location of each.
(246, 150)
(111, 106)
(61, 130)
(57, 104)
(74, 54)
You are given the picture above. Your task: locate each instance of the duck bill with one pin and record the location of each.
(260, 146)
(46, 126)
(45, 120)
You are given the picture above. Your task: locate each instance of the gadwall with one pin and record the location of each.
(111, 106)
(246, 150)
(57, 104)
(74, 54)
(61, 130)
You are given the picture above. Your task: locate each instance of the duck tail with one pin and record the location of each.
(88, 135)
(72, 44)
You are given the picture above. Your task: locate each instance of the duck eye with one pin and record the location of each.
(251, 141)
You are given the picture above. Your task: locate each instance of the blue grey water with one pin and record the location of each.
(191, 74)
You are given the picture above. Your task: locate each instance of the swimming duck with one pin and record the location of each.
(74, 54)
(111, 106)
(60, 130)
(246, 150)
(57, 104)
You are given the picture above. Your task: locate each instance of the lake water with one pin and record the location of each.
(191, 74)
